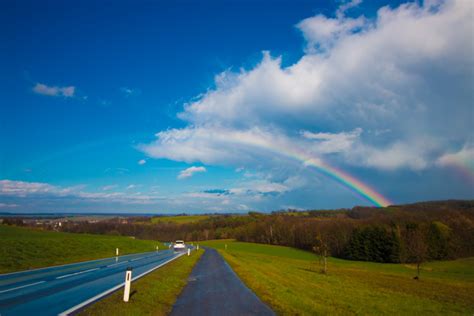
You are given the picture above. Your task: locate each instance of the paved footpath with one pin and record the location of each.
(214, 289)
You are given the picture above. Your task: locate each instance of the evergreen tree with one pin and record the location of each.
(438, 241)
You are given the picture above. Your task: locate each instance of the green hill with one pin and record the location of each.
(26, 248)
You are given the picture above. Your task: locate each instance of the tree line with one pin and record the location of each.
(403, 233)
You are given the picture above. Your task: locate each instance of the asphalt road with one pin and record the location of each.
(214, 289)
(54, 290)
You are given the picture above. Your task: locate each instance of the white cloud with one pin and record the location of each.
(22, 189)
(396, 156)
(55, 91)
(189, 172)
(209, 144)
(464, 157)
(404, 71)
(8, 205)
(117, 170)
(257, 190)
(36, 190)
(266, 186)
(34, 196)
(346, 6)
(129, 91)
(322, 33)
(141, 161)
(105, 103)
(333, 142)
(267, 149)
(109, 187)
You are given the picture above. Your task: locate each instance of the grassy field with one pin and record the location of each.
(179, 219)
(25, 248)
(290, 282)
(153, 294)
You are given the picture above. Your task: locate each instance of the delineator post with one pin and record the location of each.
(128, 283)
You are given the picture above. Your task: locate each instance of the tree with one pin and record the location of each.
(416, 248)
(438, 240)
(373, 243)
(321, 248)
(13, 221)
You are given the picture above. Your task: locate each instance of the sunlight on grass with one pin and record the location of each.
(289, 281)
(26, 248)
(179, 219)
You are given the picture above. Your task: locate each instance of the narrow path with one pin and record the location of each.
(214, 289)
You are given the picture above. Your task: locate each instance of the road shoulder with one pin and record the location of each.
(152, 294)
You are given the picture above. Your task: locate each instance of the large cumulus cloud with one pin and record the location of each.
(385, 93)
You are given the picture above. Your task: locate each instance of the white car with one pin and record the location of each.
(179, 245)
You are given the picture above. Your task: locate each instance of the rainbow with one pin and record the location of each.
(463, 164)
(283, 149)
(465, 169)
(347, 180)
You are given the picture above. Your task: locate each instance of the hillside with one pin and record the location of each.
(443, 230)
(289, 280)
(26, 248)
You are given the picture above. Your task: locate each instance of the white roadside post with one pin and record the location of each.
(189, 251)
(157, 248)
(128, 281)
(116, 252)
(197, 247)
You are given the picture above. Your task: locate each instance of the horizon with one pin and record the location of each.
(231, 107)
(221, 212)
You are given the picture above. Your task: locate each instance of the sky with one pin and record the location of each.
(234, 106)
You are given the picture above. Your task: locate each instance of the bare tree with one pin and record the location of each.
(416, 247)
(321, 248)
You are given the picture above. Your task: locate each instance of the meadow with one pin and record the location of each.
(290, 281)
(181, 219)
(27, 248)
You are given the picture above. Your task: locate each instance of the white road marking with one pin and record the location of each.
(20, 287)
(68, 275)
(115, 288)
(138, 259)
(68, 264)
(116, 264)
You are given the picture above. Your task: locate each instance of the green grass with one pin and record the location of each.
(278, 251)
(290, 282)
(26, 248)
(153, 294)
(185, 219)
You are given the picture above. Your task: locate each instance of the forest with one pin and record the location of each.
(401, 233)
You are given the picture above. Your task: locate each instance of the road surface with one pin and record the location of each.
(54, 290)
(214, 289)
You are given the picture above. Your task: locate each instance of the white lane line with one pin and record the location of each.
(68, 275)
(117, 264)
(138, 259)
(115, 288)
(71, 264)
(124, 262)
(20, 287)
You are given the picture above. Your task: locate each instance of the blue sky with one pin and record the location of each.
(166, 106)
